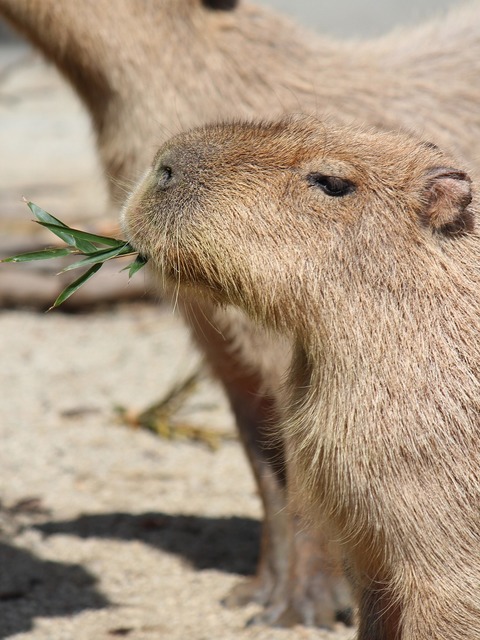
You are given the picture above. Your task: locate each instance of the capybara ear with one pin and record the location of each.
(447, 195)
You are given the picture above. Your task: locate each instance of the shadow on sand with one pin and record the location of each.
(226, 544)
(31, 587)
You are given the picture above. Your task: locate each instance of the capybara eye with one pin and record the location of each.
(331, 185)
(222, 5)
(164, 176)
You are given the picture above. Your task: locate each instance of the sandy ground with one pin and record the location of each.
(105, 531)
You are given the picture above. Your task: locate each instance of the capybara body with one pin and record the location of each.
(146, 69)
(360, 246)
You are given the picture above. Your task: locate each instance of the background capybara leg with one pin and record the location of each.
(296, 580)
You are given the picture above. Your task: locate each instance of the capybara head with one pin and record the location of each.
(256, 214)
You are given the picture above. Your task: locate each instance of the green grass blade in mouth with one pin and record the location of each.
(58, 227)
(136, 265)
(43, 254)
(94, 248)
(75, 285)
(100, 256)
(43, 216)
(81, 240)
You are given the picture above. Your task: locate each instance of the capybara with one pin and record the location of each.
(361, 247)
(146, 69)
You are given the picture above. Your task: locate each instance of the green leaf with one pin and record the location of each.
(100, 256)
(136, 265)
(46, 219)
(64, 234)
(77, 234)
(43, 216)
(60, 228)
(43, 254)
(79, 242)
(75, 285)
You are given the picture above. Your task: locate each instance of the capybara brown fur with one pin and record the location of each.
(361, 246)
(146, 69)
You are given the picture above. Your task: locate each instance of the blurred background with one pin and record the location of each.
(360, 18)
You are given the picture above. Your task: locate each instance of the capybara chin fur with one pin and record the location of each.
(362, 247)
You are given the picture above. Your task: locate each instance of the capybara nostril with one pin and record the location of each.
(164, 176)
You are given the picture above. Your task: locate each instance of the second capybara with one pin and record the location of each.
(362, 247)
